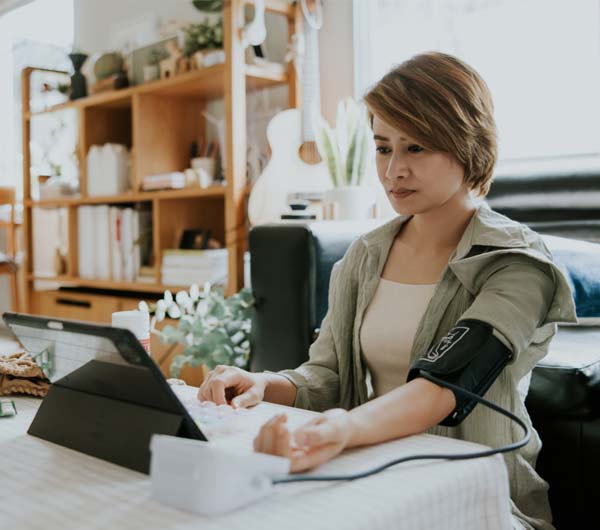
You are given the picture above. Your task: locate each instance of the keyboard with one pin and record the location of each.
(231, 426)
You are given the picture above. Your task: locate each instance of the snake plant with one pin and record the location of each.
(345, 148)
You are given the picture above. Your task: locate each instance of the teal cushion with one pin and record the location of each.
(580, 261)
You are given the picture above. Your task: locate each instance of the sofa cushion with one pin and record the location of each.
(580, 260)
(566, 383)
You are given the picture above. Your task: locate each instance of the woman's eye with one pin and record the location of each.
(414, 148)
(382, 150)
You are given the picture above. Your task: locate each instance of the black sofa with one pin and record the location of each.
(290, 268)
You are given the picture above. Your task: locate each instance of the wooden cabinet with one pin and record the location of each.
(81, 306)
(76, 306)
(157, 121)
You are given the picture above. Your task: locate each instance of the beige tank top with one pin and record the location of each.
(389, 326)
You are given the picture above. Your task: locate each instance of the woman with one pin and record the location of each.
(404, 295)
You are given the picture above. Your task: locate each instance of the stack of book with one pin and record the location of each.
(174, 180)
(185, 267)
(110, 241)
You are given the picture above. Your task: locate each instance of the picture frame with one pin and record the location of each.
(140, 57)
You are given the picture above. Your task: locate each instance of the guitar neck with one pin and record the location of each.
(311, 96)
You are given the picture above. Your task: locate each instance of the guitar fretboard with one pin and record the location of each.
(310, 81)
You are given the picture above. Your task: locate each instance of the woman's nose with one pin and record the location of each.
(397, 167)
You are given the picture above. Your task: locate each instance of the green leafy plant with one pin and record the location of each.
(345, 148)
(156, 55)
(203, 36)
(214, 329)
(211, 6)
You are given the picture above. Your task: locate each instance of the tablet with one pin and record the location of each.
(107, 396)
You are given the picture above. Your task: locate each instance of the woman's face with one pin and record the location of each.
(415, 179)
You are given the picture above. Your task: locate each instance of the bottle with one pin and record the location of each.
(138, 322)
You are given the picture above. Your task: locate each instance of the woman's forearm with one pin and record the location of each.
(279, 389)
(410, 409)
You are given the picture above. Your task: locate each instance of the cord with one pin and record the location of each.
(458, 456)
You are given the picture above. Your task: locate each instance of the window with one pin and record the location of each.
(540, 58)
(26, 39)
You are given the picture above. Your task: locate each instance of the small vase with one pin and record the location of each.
(197, 59)
(151, 72)
(78, 83)
(354, 203)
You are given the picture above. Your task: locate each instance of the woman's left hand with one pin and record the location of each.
(314, 443)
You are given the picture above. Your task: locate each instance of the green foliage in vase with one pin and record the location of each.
(203, 36)
(344, 149)
(211, 6)
(214, 329)
(156, 55)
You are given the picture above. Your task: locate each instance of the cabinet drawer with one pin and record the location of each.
(76, 306)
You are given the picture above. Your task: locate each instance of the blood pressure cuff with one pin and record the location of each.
(470, 357)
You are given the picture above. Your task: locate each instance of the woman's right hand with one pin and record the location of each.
(234, 386)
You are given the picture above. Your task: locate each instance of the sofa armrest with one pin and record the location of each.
(290, 265)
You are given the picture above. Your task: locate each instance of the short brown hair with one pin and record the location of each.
(446, 106)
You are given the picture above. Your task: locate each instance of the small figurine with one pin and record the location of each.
(183, 65)
(168, 66)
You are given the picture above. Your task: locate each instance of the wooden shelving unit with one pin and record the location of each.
(158, 121)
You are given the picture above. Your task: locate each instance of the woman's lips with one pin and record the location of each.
(401, 194)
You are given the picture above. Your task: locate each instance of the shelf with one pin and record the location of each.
(204, 83)
(158, 122)
(258, 78)
(62, 278)
(53, 108)
(185, 193)
(109, 284)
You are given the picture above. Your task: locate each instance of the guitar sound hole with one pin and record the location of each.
(309, 153)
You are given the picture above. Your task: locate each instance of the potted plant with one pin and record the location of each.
(203, 40)
(210, 6)
(211, 329)
(151, 70)
(345, 151)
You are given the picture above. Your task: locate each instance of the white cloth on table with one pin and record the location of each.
(47, 486)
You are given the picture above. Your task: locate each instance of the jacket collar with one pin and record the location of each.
(486, 228)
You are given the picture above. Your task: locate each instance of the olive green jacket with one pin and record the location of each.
(501, 273)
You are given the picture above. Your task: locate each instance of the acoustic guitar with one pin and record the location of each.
(295, 165)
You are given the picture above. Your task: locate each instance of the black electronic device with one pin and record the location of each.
(107, 398)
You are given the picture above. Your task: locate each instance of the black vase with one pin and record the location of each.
(78, 83)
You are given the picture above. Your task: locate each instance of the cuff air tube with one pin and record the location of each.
(470, 357)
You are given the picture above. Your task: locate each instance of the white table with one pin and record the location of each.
(45, 486)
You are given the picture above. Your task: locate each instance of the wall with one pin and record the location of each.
(99, 22)
(336, 56)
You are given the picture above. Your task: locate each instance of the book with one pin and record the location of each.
(129, 271)
(102, 243)
(85, 241)
(195, 258)
(115, 215)
(174, 180)
(48, 232)
(194, 252)
(178, 279)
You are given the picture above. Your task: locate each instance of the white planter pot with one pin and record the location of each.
(198, 58)
(352, 202)
(150, 72)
